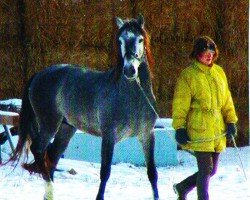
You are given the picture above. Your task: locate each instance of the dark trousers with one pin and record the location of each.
(207, 166)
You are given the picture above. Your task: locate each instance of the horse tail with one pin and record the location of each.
(26, 117)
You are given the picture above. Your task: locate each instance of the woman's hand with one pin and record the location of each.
(181, 136)
(231, 130)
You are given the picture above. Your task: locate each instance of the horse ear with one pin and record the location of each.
(119, 22)
(140, 20)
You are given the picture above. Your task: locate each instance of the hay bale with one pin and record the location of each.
(235, 25)
(90, 57)
(11, 72)
(236, 69)
(58, 36)
(11, 54)
(56, 24)
(199, 19)
(178, 20)
(82, 32)
(159, 19)
(8, 22)
(170, 60)
(122, 9)
(97, 26)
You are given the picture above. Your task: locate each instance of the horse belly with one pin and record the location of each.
(85, 122)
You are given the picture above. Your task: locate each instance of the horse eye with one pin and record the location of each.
(140, 40)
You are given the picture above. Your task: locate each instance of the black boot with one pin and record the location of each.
(181, 194)
(185, 186)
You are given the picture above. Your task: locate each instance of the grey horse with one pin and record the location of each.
(113, 105)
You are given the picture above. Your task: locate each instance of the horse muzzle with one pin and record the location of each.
(130, 72)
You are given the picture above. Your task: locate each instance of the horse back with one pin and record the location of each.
(71, 93)
(47, 85)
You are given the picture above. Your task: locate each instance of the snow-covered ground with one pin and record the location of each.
(127, 182)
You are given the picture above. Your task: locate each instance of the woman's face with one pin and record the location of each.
(206, 57)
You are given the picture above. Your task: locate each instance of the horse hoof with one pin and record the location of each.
(48, 186)
(156, 197)
(47, 197)
(99, 197)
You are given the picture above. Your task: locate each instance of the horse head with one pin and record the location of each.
(131, 42)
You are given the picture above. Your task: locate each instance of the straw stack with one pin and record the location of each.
(235, 25)
(83, 32)
(11, 55)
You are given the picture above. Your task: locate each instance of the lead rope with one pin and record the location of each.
(146, 97)
(207, 140)
(195, 141)
(238, 153)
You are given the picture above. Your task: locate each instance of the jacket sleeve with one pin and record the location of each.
(228, 110)
(181, 103)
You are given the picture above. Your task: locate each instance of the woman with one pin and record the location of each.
(203, 111)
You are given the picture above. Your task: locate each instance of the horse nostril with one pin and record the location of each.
(129, 71)
(132, 70)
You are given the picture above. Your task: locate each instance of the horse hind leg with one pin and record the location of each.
(32, 167)
(40, 142)
(41, 138)
(38, 149)
(148, 143)
(58, 146)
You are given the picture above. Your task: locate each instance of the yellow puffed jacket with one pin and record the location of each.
(203, 105)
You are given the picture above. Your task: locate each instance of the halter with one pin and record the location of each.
(132, 46)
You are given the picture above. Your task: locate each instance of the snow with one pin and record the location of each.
(127, 181)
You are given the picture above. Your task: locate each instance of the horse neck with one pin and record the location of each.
(145, 75)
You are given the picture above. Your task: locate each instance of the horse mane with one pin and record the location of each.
(147, 46)
(149, 55)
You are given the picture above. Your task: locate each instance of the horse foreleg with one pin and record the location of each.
(148, 143)
(107, 154)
